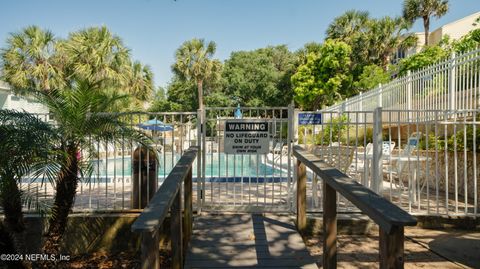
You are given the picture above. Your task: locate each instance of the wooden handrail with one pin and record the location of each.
(390, 218)
(168, 198)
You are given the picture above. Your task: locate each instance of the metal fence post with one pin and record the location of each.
(451, 82)
(361, 116)
(291, 135)
(380, 95)
(199, 161)
(204, 152)
(409, 93)
(377, 176)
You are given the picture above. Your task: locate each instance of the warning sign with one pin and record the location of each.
(246, 137)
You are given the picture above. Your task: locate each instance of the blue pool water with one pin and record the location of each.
(216, 166)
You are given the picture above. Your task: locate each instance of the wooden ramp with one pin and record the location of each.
(246, 241)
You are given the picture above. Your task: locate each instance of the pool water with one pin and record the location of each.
(217, 165)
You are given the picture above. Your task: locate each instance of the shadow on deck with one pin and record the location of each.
(247, 241)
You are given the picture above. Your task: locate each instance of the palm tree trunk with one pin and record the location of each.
(12, 205)
(426, 27)
(14, 226)
(7, 246)
(64, 197)
(200, 94)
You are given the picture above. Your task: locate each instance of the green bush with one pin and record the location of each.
(334, 129)
(362, 135)
(457, 139)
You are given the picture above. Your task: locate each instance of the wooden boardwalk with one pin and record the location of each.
(246, 241)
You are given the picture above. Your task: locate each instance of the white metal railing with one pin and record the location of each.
(114, 182)
(453, 84)
(425, 167)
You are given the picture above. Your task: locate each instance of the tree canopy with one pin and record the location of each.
(35, 60)
(260, 77)
(323, 79)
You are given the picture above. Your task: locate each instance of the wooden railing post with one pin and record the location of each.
(329, 226)
(391, 248)
(301, 197)
(390, 218)
(150, 252)
(187, 210)
(176, 230)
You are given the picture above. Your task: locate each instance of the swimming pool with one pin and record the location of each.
(217, 165)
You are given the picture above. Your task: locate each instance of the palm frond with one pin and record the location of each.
(34, 199)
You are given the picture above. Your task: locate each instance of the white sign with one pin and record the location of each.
(246, 137)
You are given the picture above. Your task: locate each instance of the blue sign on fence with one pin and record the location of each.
(309, 118)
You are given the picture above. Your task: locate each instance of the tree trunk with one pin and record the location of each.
(7, 246)
(200, 94)
(64, 197)
(426, 26)
(14, 226)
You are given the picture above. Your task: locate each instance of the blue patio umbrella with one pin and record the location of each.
(155, 125)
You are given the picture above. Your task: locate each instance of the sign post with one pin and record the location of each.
(246, 137)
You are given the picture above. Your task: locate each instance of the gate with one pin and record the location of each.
(245, 182)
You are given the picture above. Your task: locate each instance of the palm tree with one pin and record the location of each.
(84, 75)
(95, 54)
(194, 62)
(414, 9)
(79, 116)
(140, 82)
(25, 142)
(352, 28)
(348, 26)
(29, 60)
(385, 36)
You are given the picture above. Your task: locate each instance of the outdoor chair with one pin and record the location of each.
(362, 158)
(397, 167)
(357, 167)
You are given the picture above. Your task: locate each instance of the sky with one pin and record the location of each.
(154, 29)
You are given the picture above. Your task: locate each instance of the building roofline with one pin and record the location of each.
(475, 14)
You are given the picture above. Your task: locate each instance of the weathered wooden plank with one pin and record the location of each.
(187, 211)
(206, 241)
(301, 197)
(176, 232)
(329, 227)
(379, 209)
(307, 266)
(273, 249)
(391, 248)
(149, 251)
(154, 214)
(251, 262)
(249, 253)
(262, 242)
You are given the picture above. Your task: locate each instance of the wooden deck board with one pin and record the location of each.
(247, 241)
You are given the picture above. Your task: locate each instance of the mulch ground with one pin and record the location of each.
(101, 260)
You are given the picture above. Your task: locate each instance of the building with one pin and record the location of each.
(8, 100)
(455, 30)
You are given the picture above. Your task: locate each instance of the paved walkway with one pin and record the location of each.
(424, 248)
(247, 241)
